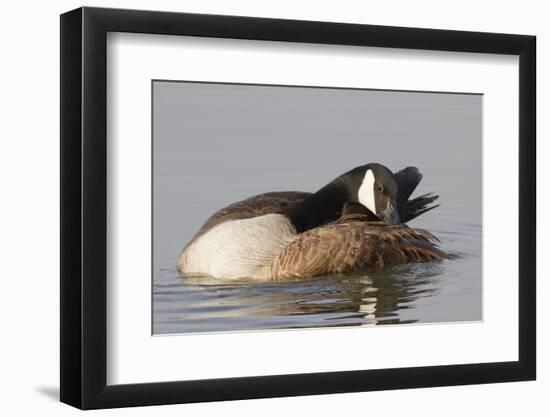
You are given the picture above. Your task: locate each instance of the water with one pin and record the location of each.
(439, 133)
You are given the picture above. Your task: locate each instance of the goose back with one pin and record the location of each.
(267, 203)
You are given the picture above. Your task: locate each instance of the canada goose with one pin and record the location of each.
(352, 223)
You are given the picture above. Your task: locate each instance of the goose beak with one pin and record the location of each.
(390, 214)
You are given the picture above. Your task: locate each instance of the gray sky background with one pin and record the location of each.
(214, 144)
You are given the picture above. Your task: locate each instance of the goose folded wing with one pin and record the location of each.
(354, 246)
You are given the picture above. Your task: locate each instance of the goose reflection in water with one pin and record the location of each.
(364, 299)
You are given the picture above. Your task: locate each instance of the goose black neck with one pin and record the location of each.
(321, 207)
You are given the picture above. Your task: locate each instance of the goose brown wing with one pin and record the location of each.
(353, 246)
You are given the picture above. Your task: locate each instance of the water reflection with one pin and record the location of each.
(202, 304)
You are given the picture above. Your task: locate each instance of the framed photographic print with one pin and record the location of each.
(257, 207)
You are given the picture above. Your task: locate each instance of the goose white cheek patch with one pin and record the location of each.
(366, 191)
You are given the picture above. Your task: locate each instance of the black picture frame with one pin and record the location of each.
(84, 207)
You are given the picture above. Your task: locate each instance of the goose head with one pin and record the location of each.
(375, 188)
(371, 186)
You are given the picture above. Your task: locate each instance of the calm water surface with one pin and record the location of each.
(216, 144)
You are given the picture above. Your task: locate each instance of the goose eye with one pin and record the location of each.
(379, 187)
